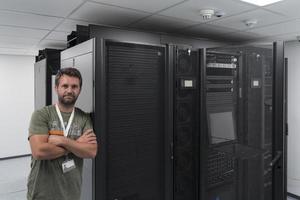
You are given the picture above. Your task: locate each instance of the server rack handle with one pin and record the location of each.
(276, 158)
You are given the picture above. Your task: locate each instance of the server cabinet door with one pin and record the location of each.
(85, 64)
(243, 134)
(130, 115)
(186, 129)
(67, 63)
(82, 57)
(219, 114)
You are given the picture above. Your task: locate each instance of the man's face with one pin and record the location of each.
(68, 90)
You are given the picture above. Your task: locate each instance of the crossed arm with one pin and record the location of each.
(44, 147)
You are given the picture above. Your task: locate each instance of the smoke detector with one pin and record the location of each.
(207, 13)
(250, 22)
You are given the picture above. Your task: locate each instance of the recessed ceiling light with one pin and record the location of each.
(261, 2)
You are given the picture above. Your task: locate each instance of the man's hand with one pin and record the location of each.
(43, 150)
(88, 137)
(84, 147)
(56, 140)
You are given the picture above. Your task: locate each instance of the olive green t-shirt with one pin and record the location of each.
(46, 180)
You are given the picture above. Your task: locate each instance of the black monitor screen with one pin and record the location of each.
(221, 127)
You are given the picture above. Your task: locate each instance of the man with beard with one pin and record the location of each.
(60, 136)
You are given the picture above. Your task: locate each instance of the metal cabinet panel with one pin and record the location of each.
(67, 63)
(84, 64)
(81, 57)
(40, 84)
(82, 48)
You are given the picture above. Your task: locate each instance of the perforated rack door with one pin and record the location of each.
(135, 121)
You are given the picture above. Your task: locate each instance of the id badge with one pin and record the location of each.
(68, 165)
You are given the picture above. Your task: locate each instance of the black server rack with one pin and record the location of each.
(176, 122)
(221, 94)
(133, 114)
(258, 120)
(240, 80)
(52, 65)
(76, 37)
(186, 129)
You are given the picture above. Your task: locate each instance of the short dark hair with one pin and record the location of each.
(69, 71)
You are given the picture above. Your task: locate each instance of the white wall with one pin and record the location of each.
(292, 52)
(16, 103)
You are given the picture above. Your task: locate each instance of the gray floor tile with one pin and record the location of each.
(13, 178)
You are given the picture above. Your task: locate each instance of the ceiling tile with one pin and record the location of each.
(288, 37)
(278, 29)
(54, 7)
(23, 23)
(143, 5)
(265, 41)
(55, 35)
(237, 22)
(12, 51)
(22, 32)
(189, 10)
(162, 23)
(32, 52)
(28, 20)
(289, 8)
(109, 15)
(70, 25)
(207, 30)
(241, 36)
(17, 42)
(55, 44)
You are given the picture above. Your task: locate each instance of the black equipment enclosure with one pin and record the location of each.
(134, 111)
(243, 154)
(183, 122)
(47, 65)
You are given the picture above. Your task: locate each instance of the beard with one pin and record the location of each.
(67, 100)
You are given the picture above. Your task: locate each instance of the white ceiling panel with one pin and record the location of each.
(31, 52)
(59, 8)
(28, 20)
(162, 23)
(30, 25)
(143, 5)
(13, 51)
(288, 37)
(289, 8)
(55, 35)
(189, 10)
(70, 25)
(55, 44)
(278, 29)
(264, 41)
(237, 22)
(22, 32)
(109, 15)
(17, 42)
(207, 30)
(241, 36)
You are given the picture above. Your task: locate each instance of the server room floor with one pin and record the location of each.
(13, 178)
